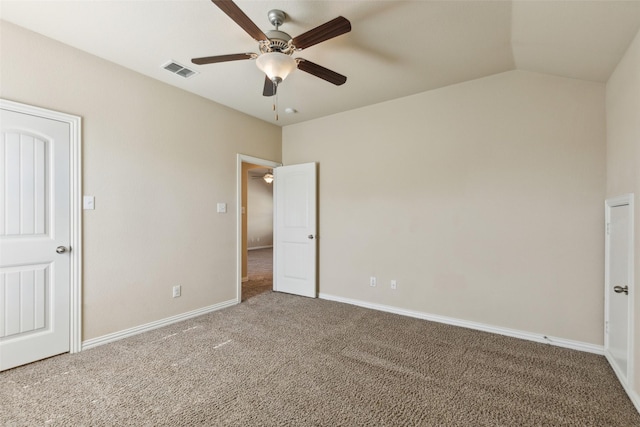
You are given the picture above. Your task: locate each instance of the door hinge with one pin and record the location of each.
(606, 327)
(608, 227)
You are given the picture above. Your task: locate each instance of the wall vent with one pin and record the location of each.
(179, 69)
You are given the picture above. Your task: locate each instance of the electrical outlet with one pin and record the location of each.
(372, 281)
(394, 284)
(176, 291)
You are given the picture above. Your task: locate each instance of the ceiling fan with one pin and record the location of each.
(260, 174)
(277, 47)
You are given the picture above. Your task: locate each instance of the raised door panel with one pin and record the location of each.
(24, 197)
(25, 293)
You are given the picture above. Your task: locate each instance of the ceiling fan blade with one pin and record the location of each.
(320, 71)
(222, 58)
(240, 18)
(270, 87)
(326, 31)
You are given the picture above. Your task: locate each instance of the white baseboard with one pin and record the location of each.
(105, 339)
(260, 247)
(559, 342)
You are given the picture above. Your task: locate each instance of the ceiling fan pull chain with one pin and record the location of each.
(275, 99)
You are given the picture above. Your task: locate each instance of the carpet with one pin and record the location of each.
(253, 287)
(283, 360)
(259, 263)
(259, 272)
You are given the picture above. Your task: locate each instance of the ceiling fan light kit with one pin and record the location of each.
(277, 47)
(277, 66)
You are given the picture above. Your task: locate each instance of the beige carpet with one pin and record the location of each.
(259, 272)
(254, 287)
(282, 360)
(259, 263)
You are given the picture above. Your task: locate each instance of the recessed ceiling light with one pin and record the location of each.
(290, 110)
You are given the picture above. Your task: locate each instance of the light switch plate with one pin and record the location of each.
(222, 208)
(88, 203)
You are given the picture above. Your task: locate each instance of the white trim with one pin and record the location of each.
(75, 230)
(558, 342)
(240, 159)
(628, 381)
(105, 339)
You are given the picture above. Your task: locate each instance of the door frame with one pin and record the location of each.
(75, 229)
(625, 199)
(240, 159)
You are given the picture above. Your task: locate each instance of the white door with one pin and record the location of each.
(34, 238)
(295, 230)
(618, 300)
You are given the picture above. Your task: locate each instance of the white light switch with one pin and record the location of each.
(222, 208)
(88, 203)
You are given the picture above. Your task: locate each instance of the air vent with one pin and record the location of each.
(179, 69)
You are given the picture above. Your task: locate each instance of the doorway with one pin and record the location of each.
(258, 215)
(255, 227)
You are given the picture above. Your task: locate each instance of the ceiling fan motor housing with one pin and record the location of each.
(278, 42)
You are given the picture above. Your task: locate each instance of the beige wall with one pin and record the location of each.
(259, 213)
(623, 156)
(484, 200)
(157, 159)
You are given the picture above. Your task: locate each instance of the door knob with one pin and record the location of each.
(61, 249)
(310, 237)
(621, 289)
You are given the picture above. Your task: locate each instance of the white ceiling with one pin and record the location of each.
(395, 48)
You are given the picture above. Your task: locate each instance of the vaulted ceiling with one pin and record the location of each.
(395, 48)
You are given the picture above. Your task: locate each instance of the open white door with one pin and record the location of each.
(35, 237)
(618, 342)
(295, 239)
